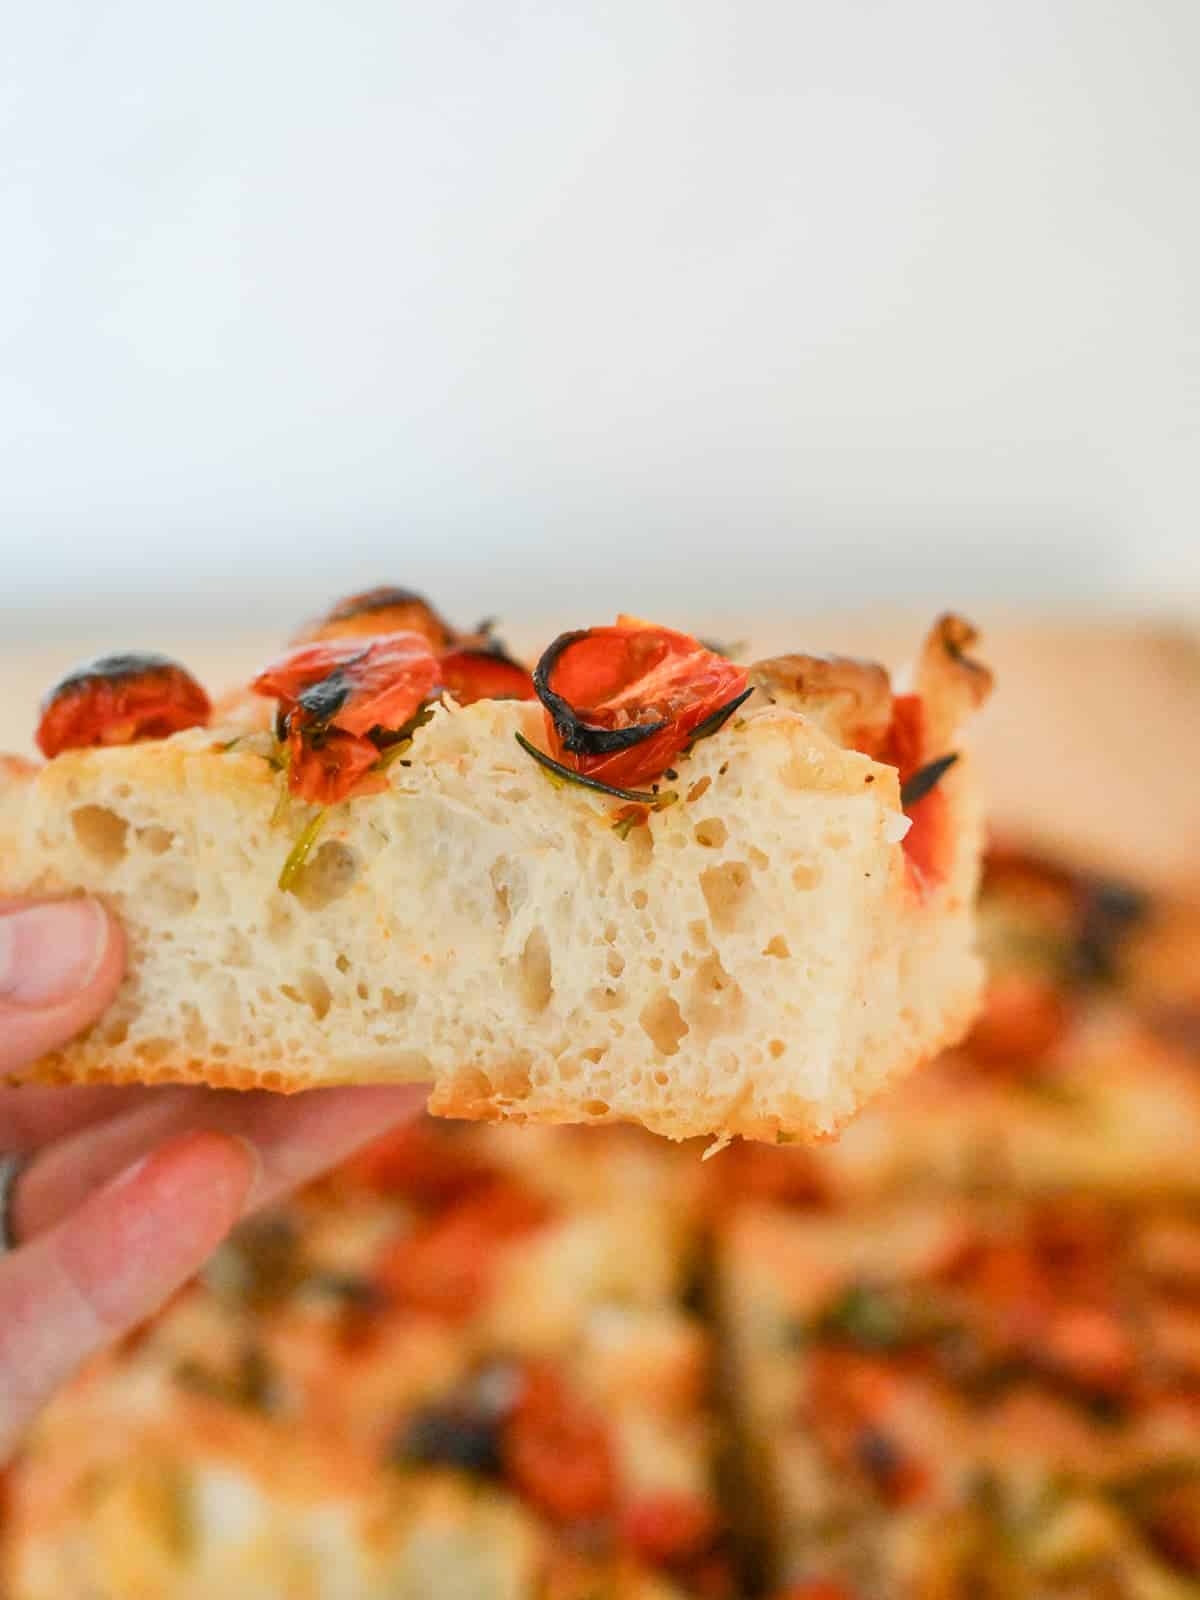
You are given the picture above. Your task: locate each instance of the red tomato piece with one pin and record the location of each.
(334, 693)
(623, 702)
(904, 747)
(557, 1450)
(665, 1528)
(120, 699)
(927, 839)
(472, 675)
(763, 1174)
(354, 685)
(444, 1265)
(330, 771)
(1024, 1016)
(430, 1167)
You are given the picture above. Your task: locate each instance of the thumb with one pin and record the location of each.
(60, 965)
(111, 1264)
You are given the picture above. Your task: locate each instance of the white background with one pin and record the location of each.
(563, 305)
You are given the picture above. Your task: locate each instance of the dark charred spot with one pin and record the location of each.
(322, 701)
(248, 1384)
(387, 609)
(351, 1290)
(877, 1455)
(113, 669)
(580, 737)
(381, 598)
(1108, 911)
(465, 1431)
(867, 1317)
(450, 1437)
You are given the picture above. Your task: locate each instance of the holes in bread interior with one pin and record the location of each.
(327, 876)
(310, 989)
(715, 999)
(777, 946)
(509, 888)
(711, 832)
(725, 888)
(155, 840)
(101, 834)
(805, 875)
(535, 972)
(662, 1022)
(171, 891)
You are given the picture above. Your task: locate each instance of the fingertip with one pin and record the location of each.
(201, 1172)
(61, 964)
(154, 1225)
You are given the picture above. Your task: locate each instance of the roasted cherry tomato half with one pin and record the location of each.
(622, 702)
(119, 699)
(444, 1266)
(558, 1451)
(430, 1168)
(668, 1528)
(472, 675)
(383, 610)
(353, 685)
(339, 701)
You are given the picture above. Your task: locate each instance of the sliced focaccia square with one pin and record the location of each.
(709, 898)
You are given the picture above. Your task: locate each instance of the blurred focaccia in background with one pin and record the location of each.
(459, 1368)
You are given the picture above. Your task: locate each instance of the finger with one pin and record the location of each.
(31, 1116)
(295, 1137)
(60, 966)
(111, 1264)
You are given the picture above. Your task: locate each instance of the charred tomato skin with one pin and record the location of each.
(119, 699)
(385, 609)
(339, 699)
(575, 735)
(622, 702)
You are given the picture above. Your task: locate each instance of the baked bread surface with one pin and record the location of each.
(756, 959)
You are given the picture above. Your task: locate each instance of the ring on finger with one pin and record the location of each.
(11, 1168)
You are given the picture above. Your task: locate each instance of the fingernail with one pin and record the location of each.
(50, 952)
(171, 1148)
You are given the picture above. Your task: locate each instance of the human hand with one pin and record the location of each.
(121, 1194)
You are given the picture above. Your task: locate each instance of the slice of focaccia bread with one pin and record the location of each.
(710, 899)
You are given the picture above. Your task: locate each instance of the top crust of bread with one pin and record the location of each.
(754, 960)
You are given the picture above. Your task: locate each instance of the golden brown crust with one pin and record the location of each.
(951, 683)
(852, 698)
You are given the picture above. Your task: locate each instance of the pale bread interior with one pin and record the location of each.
(754, 960)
